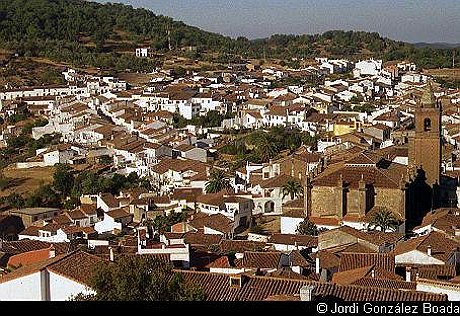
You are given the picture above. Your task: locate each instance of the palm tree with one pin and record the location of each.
(292, 188)
(218, 182)
(384, 219)
(265, 149)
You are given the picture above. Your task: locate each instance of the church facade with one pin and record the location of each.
(353, 192)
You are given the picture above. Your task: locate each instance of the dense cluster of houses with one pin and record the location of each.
(101, 119)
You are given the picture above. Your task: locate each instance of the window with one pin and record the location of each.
(427, 125)
(235, 281)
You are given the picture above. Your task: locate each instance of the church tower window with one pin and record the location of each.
(427, 125)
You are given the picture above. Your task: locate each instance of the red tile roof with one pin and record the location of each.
(252, 259)
(29, 257)
(292, 239)
(258, 288)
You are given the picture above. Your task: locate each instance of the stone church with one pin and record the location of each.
(353, 191)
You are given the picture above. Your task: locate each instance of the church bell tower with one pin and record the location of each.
(425, 146)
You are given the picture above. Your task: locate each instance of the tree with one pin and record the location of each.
(218, 181)
(292, 188)
(306, 227)
(163, 224)
(385, 220)
(15, 200)
(63, 179)
(139, 278)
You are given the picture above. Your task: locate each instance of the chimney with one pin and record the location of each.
(52, 253)
(307, 293)
(112, 256)
(373, 273)
(295, 245)
(428, 251)
(317, 266)
(408, 274)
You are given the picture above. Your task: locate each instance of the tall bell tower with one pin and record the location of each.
(425, 146)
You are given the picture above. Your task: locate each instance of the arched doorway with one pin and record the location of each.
(269, 207)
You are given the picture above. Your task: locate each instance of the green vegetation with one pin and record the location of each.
(448, 84)
(162, 224)
(218, 181)
(292, 188)
(306, 227)
(23, 146)
(139, 278)
(366, 107)
(385, 220)
(88, 33)
(22, 113)
(260, 146)
(67, 187)
(211, 119)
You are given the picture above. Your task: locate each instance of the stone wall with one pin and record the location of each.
(325, 201)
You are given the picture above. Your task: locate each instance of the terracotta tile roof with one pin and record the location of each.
(385, 283)
(188, 194)
(350, 261)
(30, 268)
(387, 177)
(255, 114)
(62, 219)
(215, 199)
(51, 227)
(442, 247)
(88, 209)
(374, 237)
(293, 204)
(277, 181)
(365, 158)
(291, 239)
(355, 247)
(76, 214)
(119, 213)
(240, 246)
(327, 221)
(294, 213)
(217, 222)
(327, 259)
(297, 259)
(221, 262)
(381, 238)
(252, 259)
(30, 231)
(445, 220)
(110, 200)
(77, 266)
(352, 275)
(258, 288)
(277, 110)
(392, 152)
(201, 239)
(287, 273)
(431, 271)
(29, 257)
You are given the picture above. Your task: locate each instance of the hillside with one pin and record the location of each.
(104, 35)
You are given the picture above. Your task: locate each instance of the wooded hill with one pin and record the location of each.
(89, 33)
